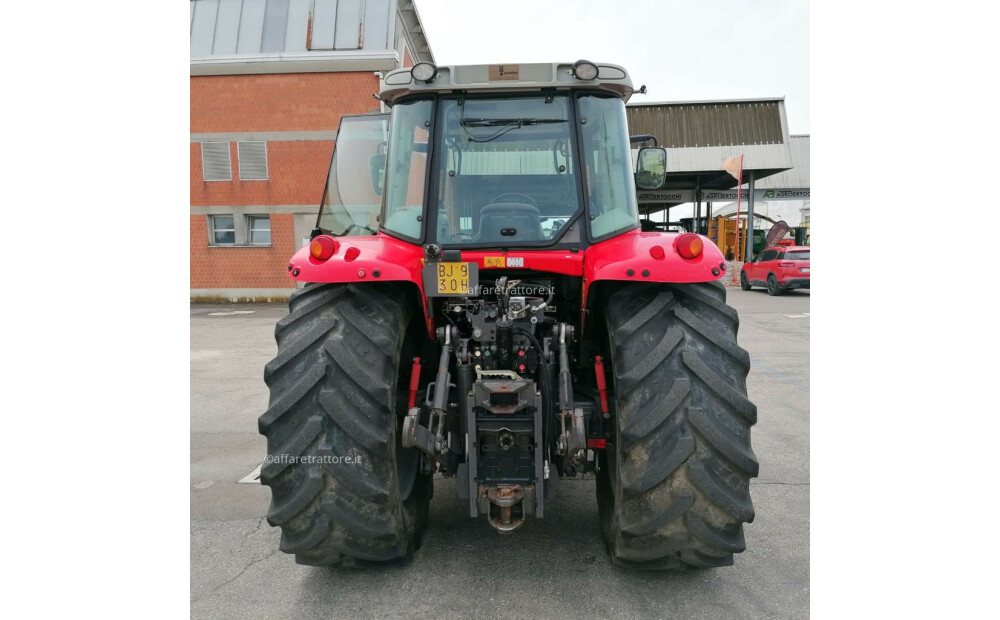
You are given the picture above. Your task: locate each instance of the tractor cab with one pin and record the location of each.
(496, 156)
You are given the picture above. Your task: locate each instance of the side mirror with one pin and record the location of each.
(652, 166)
(376, 167)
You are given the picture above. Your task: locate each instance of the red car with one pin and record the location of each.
(779, 269)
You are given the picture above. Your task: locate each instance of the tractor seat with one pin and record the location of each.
(520, 217)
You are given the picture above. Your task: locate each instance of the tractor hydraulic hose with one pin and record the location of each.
(548, 300)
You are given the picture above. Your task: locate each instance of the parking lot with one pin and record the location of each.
(556, 567)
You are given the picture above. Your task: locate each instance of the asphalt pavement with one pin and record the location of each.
(550, 568)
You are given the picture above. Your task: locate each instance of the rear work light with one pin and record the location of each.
(323, 247)
(585, 70)
(424, 72)
(689, 245)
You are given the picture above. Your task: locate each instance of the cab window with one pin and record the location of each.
(407, 168)
(607, 159)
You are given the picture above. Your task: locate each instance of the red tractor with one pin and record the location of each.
(503, 321)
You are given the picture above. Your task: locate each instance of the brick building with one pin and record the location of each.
(270, 80)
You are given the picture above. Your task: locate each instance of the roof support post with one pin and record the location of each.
(697, 207)
(749, 234)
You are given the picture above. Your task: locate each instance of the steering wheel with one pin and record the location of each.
(355, 226)
(532, 202)
(458, 236)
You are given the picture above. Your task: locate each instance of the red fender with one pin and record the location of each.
(628, 258)
(380, 258)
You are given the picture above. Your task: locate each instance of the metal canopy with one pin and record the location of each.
(699, 135)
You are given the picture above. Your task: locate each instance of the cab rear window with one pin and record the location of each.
(797, 255)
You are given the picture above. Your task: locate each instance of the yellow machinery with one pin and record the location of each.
(727, 241)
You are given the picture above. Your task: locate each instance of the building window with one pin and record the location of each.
(253, 160)
(239, 230)
(260, 229)
(223, 229)
(216, 165)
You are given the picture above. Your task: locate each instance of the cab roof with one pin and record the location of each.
(522, 77)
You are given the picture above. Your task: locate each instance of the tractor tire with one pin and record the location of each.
(674, 490)
(343, 490)
(744, 283)
(772, 286)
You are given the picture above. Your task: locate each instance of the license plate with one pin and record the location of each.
(805, 270)
(453, 279)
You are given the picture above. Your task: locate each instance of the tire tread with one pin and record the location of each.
(674, 494)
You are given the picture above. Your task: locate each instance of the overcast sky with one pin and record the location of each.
(690, 50)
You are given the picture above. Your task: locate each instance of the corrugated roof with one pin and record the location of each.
(705, 101)
(700, 135)
(707, 124)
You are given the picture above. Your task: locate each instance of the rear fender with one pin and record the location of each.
(380, 258)
(628, 258)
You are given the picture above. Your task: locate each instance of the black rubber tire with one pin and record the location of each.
(336, 392)
(674, 490)
(772, 286)
(744, 283)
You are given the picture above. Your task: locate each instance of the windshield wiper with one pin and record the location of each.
(507, 122)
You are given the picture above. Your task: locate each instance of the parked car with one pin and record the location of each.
(779, 269)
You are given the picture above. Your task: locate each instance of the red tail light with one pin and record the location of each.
(656, 252)
(323, 247)
(351, 254)
(786, 263)
(689, 245)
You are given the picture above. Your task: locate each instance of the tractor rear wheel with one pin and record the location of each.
(342, 487)
(674, 490)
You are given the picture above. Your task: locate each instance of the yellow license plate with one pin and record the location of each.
(453, 278)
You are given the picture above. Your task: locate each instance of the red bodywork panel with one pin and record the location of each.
(396, 260)
(612, 260)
